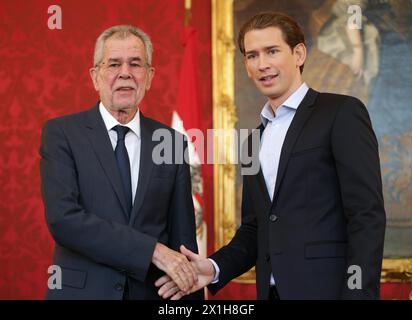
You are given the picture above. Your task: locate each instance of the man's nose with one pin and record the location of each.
(124, 70)
(263, 62)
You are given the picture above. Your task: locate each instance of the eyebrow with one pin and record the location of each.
(265, 48)
(130, 59)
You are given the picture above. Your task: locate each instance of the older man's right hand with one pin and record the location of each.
(204, 269)
(176, 266)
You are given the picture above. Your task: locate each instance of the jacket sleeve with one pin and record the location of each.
(240, 254)
(181, 216)
(107, 242)
(355, 150)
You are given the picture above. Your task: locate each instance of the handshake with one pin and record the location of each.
(186, 272)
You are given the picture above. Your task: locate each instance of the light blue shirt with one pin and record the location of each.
(276, 126)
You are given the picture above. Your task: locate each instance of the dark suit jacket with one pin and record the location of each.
(327, 211)
(97, 246)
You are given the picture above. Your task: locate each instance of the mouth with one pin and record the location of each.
(268, 80)
(125, 89)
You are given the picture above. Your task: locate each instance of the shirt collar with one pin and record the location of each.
(110, 121)
(292, 102)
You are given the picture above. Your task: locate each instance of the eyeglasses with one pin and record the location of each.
(114, 67)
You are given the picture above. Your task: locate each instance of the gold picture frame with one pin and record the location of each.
(225, 117)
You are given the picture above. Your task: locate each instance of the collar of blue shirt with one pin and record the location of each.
(292, 102)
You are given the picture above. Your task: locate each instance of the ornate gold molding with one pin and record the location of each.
(225, 117)
(396, 270)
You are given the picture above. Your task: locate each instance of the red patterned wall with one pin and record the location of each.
(44, 74)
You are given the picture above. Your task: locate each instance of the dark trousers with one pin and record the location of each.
(273, 293)
(126, 295)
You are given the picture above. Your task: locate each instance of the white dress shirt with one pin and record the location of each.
(276, 126)
(132, 142)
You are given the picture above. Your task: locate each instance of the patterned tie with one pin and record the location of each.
(124, 164)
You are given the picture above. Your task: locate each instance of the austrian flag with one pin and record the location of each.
(186, 117)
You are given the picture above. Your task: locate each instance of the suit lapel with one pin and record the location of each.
(260, 180)
(257, 184)
(302, 115)
(100, 141)
(146, 165)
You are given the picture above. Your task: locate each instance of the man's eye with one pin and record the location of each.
(135, 65)
(114, 65)
(273, 51)
(250, 56)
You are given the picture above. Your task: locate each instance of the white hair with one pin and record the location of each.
(122, 32)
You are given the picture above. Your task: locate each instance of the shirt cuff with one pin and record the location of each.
(217, 271)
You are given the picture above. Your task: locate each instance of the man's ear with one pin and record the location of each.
(300, 53)
(93, 75)
(150, 75)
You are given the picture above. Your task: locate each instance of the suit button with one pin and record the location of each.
(118, 287)
(267, 256)
(273, 217)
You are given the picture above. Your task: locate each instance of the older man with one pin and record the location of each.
(112, 211)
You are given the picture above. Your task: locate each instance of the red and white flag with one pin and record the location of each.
(186, 117)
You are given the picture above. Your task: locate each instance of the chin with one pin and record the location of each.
(270, 93)
(124, 105)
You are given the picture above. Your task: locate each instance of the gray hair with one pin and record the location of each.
(122, 32)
